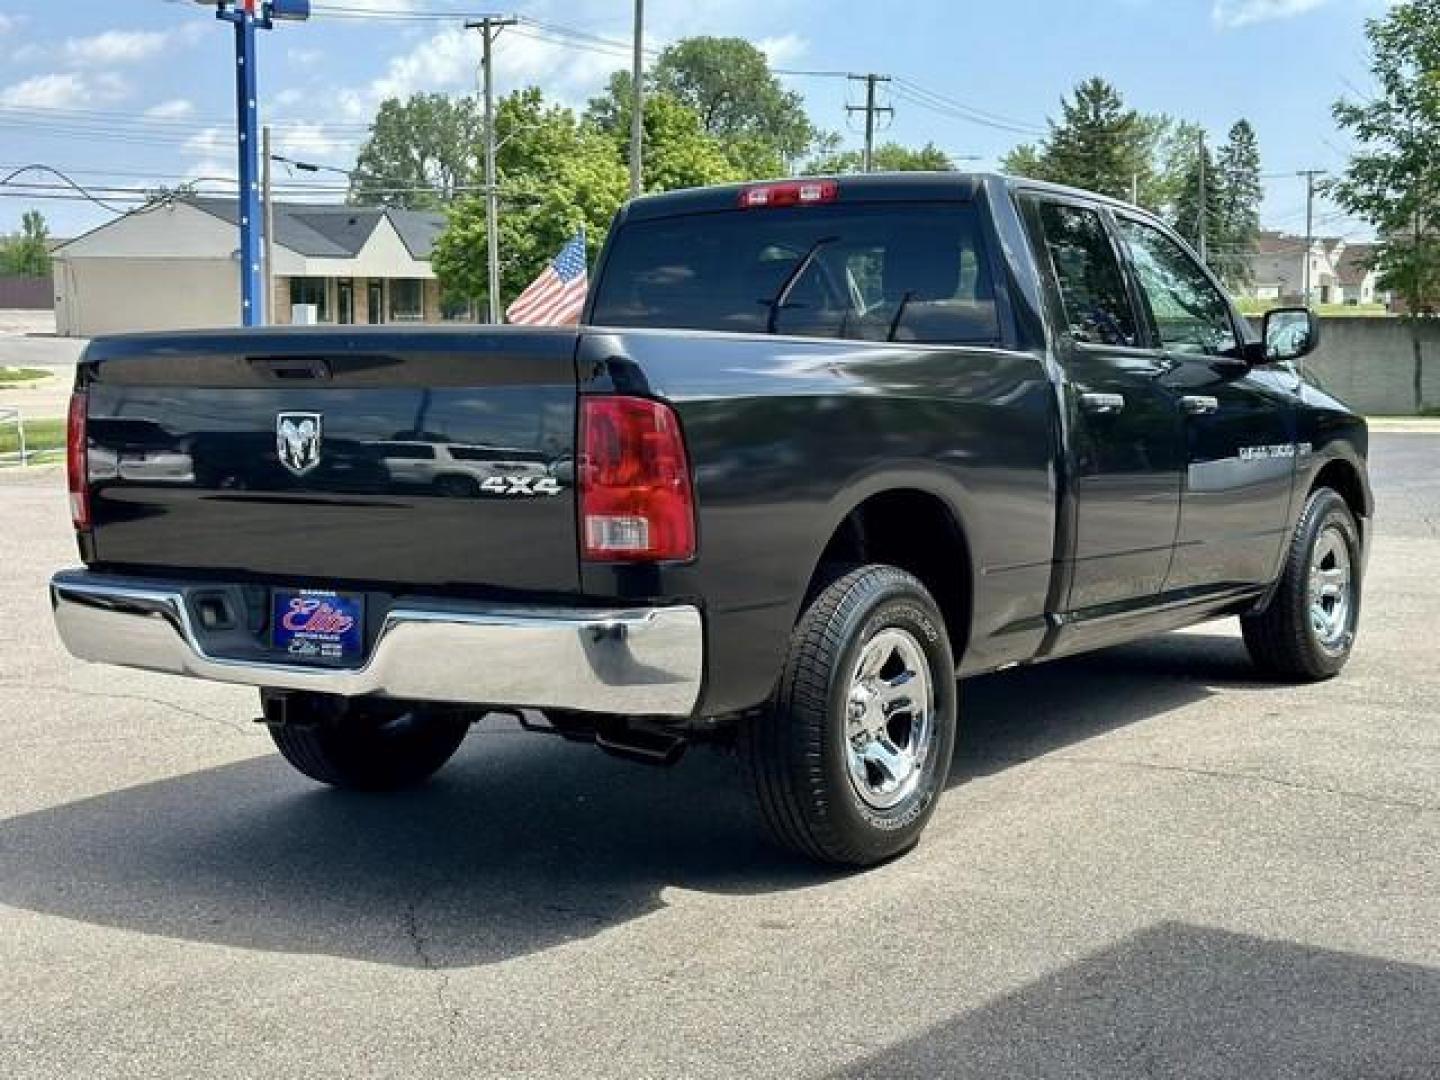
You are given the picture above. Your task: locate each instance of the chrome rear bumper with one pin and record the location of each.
(631, 661)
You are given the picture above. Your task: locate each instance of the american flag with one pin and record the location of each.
(557, 296)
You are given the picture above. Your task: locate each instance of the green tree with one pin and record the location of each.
(1241, 191)
(677, 152)
(888, 157)
(556, 175)
(419, 152)
(1192, 167)
(1098, 144)
(728, 83)
(1393, 180)
(28, 253)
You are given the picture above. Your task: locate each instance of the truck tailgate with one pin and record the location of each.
(436, 458)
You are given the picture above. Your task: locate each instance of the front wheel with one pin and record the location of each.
(853, 751)
(1308, 630)
(366, 745)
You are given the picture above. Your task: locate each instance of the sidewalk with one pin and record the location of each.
(1406, 425)
(27, 340)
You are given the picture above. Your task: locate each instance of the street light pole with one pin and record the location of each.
(268, 194)
(489, 27)
(637, 109)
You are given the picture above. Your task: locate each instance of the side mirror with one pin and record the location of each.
(1287, 334)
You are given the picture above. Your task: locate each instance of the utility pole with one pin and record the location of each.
(1310, 176)
(870, 109)
(637, 106)
(1204, 200)
(268, 196)
(490, 27)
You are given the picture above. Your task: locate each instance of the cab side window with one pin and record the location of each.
(1190, 313)
(1092, 288)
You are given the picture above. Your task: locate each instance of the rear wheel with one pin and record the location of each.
(366, 745)
(852, 753)
(1308, 630)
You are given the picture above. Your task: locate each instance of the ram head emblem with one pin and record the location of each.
(297, 441)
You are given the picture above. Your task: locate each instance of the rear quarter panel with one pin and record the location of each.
(787, 436)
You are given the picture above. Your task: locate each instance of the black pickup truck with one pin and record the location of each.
(818, 450)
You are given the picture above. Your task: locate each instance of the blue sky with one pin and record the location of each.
(128, 95)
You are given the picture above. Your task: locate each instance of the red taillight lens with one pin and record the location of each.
(789, 193)
(636, 502)
(77, 462)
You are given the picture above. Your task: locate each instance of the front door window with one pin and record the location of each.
(375, 302)
(1191, 315)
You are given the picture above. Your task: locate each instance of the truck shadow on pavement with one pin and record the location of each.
(522, 843)
(1181, 1000)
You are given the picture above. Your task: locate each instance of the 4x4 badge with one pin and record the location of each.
(297, 440)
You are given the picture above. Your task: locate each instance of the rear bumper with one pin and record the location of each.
(632, 661)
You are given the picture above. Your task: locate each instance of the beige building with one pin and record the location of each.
(174, 265)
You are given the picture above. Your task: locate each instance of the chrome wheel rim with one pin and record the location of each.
(890, 719)
(1331, 592)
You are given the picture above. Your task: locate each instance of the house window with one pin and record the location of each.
(311, 290)
(407, 300)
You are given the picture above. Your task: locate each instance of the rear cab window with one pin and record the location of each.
(878, 271)
(1088, 276)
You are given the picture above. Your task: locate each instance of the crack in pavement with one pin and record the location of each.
(1254, 778)
(108, 695)
(419, 943)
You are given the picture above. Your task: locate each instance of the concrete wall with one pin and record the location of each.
(111, 296)
(1370, 364)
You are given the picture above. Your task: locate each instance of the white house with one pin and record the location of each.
(1359, 281)
(174, 265)
(1339, 271)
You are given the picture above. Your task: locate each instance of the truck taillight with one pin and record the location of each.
(636, 500)
(77, 462)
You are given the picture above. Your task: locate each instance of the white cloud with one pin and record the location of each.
(450, 61)
(115, 47)
(1235, 13)
(311, 142)
(174, 109)
(783, 50)
(288, 97)
(8, 23)
(304, 57)
(64, 90)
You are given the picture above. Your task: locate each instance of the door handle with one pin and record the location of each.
(1199, 405)
(1102, 404)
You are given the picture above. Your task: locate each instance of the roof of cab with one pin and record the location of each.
(886, 186)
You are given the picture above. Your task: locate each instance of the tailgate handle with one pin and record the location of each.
(292, 368)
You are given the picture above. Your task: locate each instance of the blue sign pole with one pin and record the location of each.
(252, 297)
(248, 16)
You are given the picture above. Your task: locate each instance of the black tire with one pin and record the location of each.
(1283, 640)
(367, 746)
(797, 751)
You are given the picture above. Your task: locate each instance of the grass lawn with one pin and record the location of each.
(40, 435)
(21, 374)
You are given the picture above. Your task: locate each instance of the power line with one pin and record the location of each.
(940, 103)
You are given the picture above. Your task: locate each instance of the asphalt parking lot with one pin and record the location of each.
(1149, 863)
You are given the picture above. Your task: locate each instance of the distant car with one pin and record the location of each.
(458, 470)
(819, 448)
